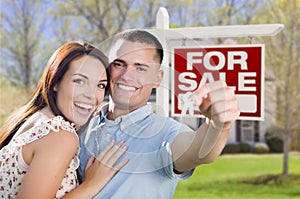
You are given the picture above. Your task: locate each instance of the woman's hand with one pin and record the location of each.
(101, 169)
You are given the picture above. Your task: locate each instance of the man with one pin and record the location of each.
(161, 151)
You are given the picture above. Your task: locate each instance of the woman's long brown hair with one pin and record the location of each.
(44, 95)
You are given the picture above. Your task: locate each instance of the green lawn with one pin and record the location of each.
(223, 179)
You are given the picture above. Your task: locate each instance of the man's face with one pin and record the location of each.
(134, 73)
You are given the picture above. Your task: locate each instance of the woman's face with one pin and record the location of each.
(82, 89)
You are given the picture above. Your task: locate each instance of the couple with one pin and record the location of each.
(126, 151)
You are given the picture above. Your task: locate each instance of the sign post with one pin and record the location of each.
(249, 87)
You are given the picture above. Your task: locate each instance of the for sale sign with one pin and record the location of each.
(241, 66)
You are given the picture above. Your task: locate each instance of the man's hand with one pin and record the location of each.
(217, 102)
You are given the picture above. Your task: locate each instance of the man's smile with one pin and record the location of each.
(126, 87)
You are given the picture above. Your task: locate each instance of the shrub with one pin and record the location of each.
(231, 148)
(245, 147)
(275, 145)
(260, 148)
(274, 139)
(274, 132)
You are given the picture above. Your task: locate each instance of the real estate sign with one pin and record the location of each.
(241, 66)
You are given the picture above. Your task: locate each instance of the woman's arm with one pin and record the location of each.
(51, 157)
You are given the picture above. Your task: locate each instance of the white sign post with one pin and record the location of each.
(166, 34)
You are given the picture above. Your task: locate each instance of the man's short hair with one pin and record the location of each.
(141, 36)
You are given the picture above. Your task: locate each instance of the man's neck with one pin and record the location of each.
(114, 113)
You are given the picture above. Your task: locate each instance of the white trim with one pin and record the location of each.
(222, 31)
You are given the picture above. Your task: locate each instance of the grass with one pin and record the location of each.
(11, 98)
(243, 177)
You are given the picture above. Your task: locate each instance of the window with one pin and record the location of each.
(247, 131)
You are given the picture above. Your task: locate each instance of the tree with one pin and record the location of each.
(93, 20)
(216, 13)
(21, 30)
(283, 58)
(229, 12)
(97, 20)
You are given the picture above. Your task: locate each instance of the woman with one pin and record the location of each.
(39, 143)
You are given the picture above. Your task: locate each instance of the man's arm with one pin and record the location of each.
(218, 104)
